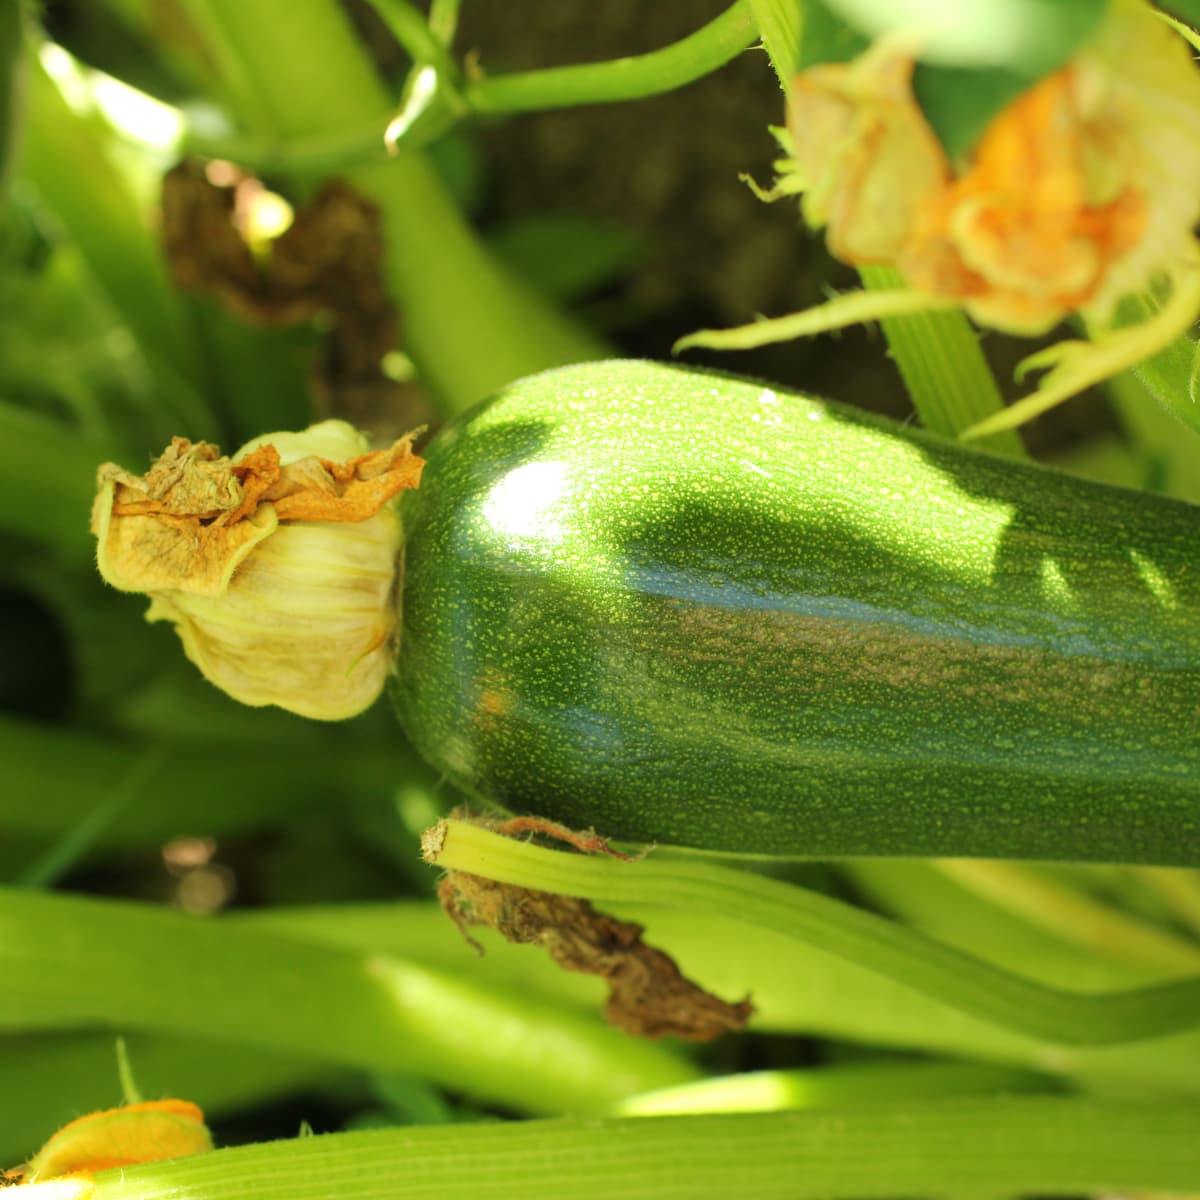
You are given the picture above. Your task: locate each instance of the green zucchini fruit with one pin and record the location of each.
(692, 609)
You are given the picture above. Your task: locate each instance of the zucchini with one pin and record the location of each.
(691, 609)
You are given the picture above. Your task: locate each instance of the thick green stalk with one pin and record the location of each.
(887, 1081)
(1039, 1145)
(796, 989)
(922, 895)
(781, 27)
(1166, 452)
(898, 953)
(940, 360)
(468, 325)
(1073, 915)
(1180, 889)
(75, 963)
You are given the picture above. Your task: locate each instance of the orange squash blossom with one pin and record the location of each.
(119, 1137)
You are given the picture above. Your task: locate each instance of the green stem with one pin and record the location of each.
(411, 29)
(1072, 914)
(631, 78)
(1179, 887)
(1039, 1145)
(469, 326)
(829, 1087)
(72, 962)
(927, 966)
(940, 360)
(781, 26)
(797, 989)
(443, 20)
(300, 157)
(362, 143)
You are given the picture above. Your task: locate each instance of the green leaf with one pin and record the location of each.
(1029, 37)
(960, 102)
(969, 68)
(566, 256)
(827, 38)
(11, 82)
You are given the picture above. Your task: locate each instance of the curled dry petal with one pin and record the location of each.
(277, 565)
(862, 153)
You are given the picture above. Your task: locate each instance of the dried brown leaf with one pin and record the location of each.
(648, 995)
(328, 262)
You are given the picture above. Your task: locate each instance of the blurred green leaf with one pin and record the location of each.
(47, 479)
(960, 102)
(12, 83)
(973, 59)
(1030, 37)
(64, 158)
(566, 256)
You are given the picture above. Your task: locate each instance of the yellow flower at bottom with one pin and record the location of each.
(277, 566)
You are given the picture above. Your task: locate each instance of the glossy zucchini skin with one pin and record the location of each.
(691, 609)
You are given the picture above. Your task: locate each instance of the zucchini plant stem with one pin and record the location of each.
(74, 962)
(634, 77)
(781, 27)
(1072, 914)
(796, 989)
(631, 78)
(904, 955)
(1179, 888)
(1014, 1145)
(410, 28)
(943, 367)
(898, 1082)
(469, 325)
(443, 20)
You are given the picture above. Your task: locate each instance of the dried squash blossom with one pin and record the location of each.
(277, 566)
(1083, 190)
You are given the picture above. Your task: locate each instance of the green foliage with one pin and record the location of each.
(311, 976)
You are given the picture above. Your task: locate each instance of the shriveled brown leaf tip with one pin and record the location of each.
(648, 995)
